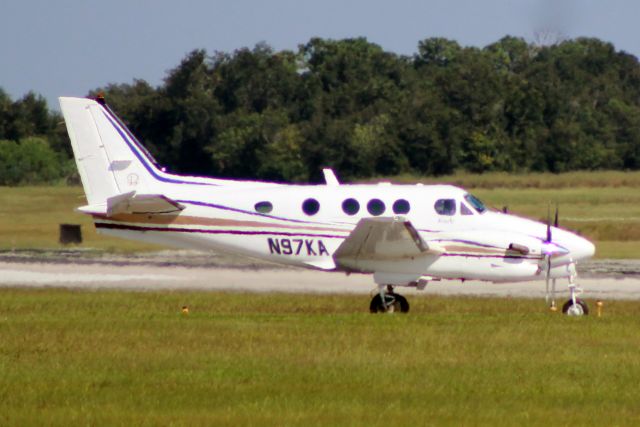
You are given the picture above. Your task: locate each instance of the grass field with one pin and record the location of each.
(119, 358)
(603, 206)
(132, 358)
(30, 219)
(492, 180)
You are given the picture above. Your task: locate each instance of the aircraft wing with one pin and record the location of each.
(381, 239)
(134, 203)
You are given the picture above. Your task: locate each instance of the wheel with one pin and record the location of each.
(580, 308)
(395, 303)
(401, 303)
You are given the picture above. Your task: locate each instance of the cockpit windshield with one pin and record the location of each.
(476, 203)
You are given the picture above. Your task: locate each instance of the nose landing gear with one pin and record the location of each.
(577, 308)
(387, 301)
(574, 306)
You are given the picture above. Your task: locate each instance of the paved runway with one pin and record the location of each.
(148, 275)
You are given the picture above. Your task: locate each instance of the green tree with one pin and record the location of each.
(438, 51)
(348, 104)
(31, 161)
(281, 158)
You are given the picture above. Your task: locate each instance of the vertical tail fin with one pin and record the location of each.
(110, 161)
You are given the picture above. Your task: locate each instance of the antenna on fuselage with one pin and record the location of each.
(330, 177)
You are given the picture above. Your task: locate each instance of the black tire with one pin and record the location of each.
(399, 304)
(376, 304)
(583, 305)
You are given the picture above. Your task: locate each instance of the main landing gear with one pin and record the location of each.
(387, 301)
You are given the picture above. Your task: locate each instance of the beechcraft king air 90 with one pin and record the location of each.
(404, 235)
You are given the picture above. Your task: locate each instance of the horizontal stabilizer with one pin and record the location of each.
(384, 239)
(134, 203)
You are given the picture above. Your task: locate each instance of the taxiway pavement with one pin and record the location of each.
(602, 280)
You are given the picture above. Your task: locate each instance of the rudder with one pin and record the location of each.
(108, 159)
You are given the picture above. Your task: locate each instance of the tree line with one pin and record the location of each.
(34, 147)
(348, 104)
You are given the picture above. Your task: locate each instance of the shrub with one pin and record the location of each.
(31, 161)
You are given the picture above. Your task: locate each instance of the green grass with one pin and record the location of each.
(605, 208)
(30, 219)
(600, 214)
(124, 358)
(491, 180)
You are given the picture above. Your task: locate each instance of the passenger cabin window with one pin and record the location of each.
(263, 207)
(464, 210)
(401, 206)
(376, 207)
(476, 203)
(445, 207)
(310, 207)
(350, 206)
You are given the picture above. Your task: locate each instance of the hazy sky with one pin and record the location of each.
(65, 47)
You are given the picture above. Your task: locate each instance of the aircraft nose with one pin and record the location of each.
(580, 248)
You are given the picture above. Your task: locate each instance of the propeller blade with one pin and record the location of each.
(549, 223)
(547, 257)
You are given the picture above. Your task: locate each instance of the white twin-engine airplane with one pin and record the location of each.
(405, 235)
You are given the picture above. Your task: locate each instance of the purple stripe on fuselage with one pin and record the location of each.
(143, 159)
(227, 208)
(270, 233)
(451, 254)
(131, 141)
(467, 242)
(204, 231)
(133, 138)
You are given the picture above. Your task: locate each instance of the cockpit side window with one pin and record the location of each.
(476, 203)
(445, 207)
(464, 210)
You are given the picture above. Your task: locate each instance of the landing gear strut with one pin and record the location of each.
(574, 306)
(387, 301)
